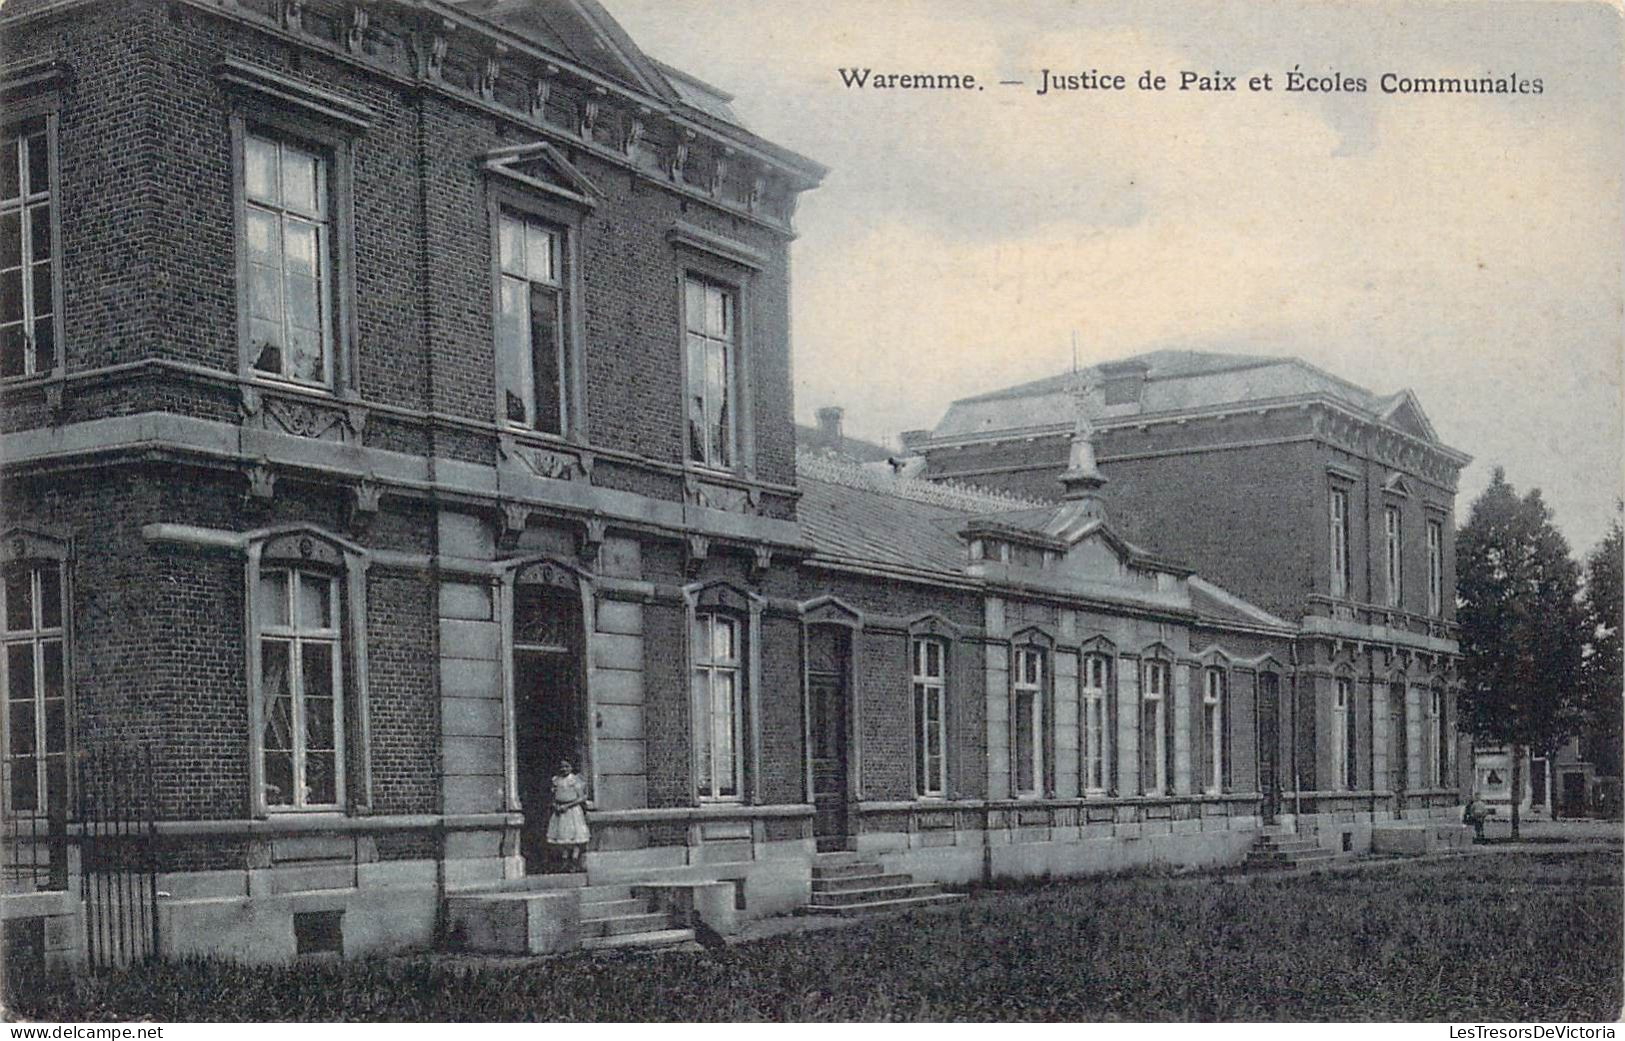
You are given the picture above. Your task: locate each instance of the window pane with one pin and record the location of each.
(13, 351)
(320, 788)
(10, 169)
(515, 359)
(265, 292)
(19, 601)
(723, 639)
(702, 728)
(259, 170)
(272, 601)
(716, 313)
(694, 306)
(539, 257)
(544, 326)
(56, 726)
(1024, 742)
(51, 668)
(723, 708)
(275, 691)
(697, 436)
(304, 309)
(319, 724)
(316, 661)
(50, 580)
(265, 339)
(315, 603)
(11, 295)
(264, 236)
(301, 249)
(24, 784)
(39, 233)
(301, 182)
(278, 778)
(510, 245)
(306, 361)
(11, 239)
(44, 292)
(699, 646)
(39, 171)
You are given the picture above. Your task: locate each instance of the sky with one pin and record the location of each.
(1468, 247)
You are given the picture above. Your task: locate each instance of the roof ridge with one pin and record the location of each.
(951, 495)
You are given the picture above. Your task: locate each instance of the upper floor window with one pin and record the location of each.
(718, 687)
(1395, 553)
(287, 230)
(27, 271)
(1340, 542)
(1213, 693)
(34, 677)
(930, 657)
(1343, 758)
(1154, 732)
(711, 326)
(1028, 706)
(533, 363)
(1096, 768)
(301, 689)
(1435, 568)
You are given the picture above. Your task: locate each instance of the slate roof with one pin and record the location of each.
(854, 516)
(1175, 381)
(808, 436)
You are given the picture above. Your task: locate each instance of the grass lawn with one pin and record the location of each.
(1505, 937)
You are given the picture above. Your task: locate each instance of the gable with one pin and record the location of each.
(1407, 415)
(542, 167)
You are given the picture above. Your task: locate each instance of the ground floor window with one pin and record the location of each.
(929, 657)
(1096, 769)
(1154, 728)
(1213, 695)
(301, 687)
(717, 692)
(1028, 696)
(33, 675)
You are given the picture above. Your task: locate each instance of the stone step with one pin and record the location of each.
(655, 938)
(524, 884)
(1269, 842)
(874, 881)
(626, 923)
(835, 857)
(852, 870)
(882, 906)
(614, 908)
(1281, 861)
(843, 897)
(603, 893)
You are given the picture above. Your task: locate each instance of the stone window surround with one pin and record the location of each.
(704, 257)
(926, 685)
(718, 597)
(308, 547)
(1028, 641)
(27, 95)
(27, 547)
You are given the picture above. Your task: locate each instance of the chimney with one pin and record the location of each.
(829, 423)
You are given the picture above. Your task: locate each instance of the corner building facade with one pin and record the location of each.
(396, 403)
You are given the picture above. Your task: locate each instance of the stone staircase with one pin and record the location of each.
(844, 884)
(1285, 852)
(613, 916)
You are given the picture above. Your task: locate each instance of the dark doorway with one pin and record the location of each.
(1537, 785)
(827, 656)
(547, 706)
(1398, 746)
(1574, 794)
(1269, 745)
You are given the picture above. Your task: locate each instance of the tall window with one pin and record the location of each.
(1391, 526)
(1343, 759)
(930, 738)
(27, 300)
(301, 684)
(1028, 692)
(718, 688)
(34, 678)
(533, 364)
(1340, 542)
(1154, 727)
(1213, 730)
(710, 318)
(286, 234)
(1441, 731)
(1096, 772)
(1435, 568)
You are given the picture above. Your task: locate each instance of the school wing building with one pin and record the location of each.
(396, 401)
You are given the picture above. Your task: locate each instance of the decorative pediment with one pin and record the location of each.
(1033, 636)
(19, 543)
(1158, 650)
(1214, 657)
(829, 610)
(541, 167)
(720, 594)
(933, 624)
(305, 546)
(546, 571)
(1397, 485)
(1098, 645)
(1406, 414)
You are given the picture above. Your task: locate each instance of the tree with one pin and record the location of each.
(1604, 665)
(1521, 627)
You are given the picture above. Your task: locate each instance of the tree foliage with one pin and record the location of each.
(1521, 625)
(1604, 664)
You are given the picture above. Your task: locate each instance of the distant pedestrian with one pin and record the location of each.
(1476, 812)
(567, 827)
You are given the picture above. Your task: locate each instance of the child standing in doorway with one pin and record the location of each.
(567, 827)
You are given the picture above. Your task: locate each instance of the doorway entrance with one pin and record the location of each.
(828, 651)
(548, 706)
(1269, 746)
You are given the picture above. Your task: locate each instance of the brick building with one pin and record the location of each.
(1314, 498)
(396, 402)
